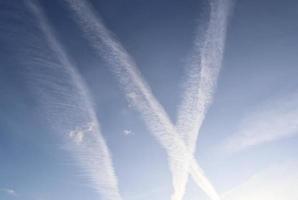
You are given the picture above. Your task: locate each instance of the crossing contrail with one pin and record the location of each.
(139, 94)
(201, 82)
(69, 102)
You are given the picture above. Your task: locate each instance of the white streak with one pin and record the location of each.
(84, 137)
(139, 94)
(272, 121)
(201, 82)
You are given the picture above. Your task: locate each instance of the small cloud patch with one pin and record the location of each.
(8, 191)
(128, 132)
(77, 136)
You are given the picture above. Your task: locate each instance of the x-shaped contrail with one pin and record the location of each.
(200, 86)
(139, 93)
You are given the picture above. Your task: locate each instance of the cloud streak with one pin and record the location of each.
(139, 94)
(71, 97)
(201, 81)
(271, 121)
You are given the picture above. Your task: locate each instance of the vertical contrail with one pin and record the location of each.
(80, 122)
(201, 82)
(139, 94)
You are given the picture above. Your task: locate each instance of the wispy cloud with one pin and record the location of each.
(84, 137)
(201, 81)
(9, 191)
(274, 120)
(278, 182)
(139, 93)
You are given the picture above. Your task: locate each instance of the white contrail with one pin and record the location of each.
(139, 94)
(83, 132)
(201, 82)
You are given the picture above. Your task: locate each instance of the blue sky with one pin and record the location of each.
(109, 99)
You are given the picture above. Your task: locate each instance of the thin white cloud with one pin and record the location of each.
(201, 81)
(275, 183)
(9, 191)
(128, 132)
(272, 121)
(84, 137)
(139, 93)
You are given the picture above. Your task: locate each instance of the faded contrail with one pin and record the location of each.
(84, 138)
(272, 120)
(201, 82)
(139, 94)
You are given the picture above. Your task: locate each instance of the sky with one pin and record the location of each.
(139, 100)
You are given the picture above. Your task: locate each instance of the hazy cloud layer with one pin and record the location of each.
(278, 182)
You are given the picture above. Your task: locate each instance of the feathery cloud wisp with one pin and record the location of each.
(84, 137)
(272, 121)
(139, 93)
(201, 82)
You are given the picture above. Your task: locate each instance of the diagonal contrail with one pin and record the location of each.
(139, 94)
(201, 82)
(83, 131)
